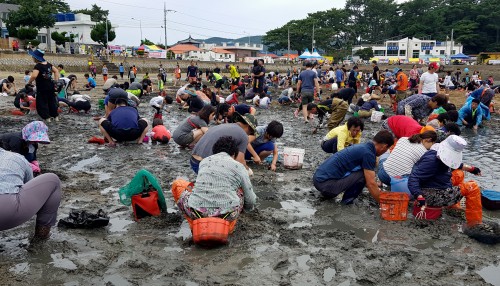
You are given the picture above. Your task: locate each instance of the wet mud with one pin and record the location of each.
(294, 237)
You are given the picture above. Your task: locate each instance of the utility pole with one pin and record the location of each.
(107, 37)
(288, 55)
(165, 11)
(165, 23)
(451, 50)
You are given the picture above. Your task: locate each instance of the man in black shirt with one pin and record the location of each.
(376, 72)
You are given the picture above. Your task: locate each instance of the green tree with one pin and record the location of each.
(97, 14)
(146, 42)
(62, 38)
(160, 45)
(98, 34)
(27, 33)
(365, 54)
(26, 16)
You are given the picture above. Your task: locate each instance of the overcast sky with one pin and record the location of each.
(201, 19)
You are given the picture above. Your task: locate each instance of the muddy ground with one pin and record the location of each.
(294, 237)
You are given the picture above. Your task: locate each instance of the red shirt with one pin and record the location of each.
(160, 131)
(403, 126)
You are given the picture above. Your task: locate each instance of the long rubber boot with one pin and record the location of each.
(473, 207)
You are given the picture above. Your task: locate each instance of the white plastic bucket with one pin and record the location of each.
(376, 116)
(293, 158)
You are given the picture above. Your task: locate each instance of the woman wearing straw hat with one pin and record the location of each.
(46, 101)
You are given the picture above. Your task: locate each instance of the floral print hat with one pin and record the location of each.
(36, 131)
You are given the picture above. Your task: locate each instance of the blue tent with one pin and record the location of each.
(460, 57)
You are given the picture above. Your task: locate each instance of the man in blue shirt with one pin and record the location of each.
(349, 170)
(123, 124)
(308, 80)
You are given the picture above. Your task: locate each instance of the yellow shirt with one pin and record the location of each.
(344, 138)
(234, 73)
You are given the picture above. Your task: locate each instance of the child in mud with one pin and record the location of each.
(160, 133)
(25, 101)
(77, 102)
(91, 84)
(191, 129)
(158, 104)
(226, 112)
(264, 143)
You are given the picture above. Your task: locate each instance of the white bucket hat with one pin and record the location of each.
(366, 96)
(450, 151)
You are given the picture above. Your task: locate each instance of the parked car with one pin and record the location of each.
(192, 58)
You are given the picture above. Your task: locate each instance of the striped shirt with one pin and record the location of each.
(219, 179)
(403, 157)
(15, 171)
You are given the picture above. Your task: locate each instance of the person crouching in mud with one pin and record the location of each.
(349, 170)
(434, 180)
(223, 187)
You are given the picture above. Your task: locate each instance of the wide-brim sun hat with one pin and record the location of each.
(36, 131)
(191, 92)
(37, 54)
(395, 71)
(372, 83)
(249, 120)
(450, 151)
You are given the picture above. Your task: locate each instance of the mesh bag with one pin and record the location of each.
(143, 180)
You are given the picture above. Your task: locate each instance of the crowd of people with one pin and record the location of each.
(420, 143)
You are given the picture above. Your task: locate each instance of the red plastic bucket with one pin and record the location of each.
(429, 213)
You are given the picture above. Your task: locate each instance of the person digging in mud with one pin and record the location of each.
(349, 170)
(77, 102)
(160, 133)
(223, 187)
(8, 86)
(246, 125)
(158, 103)
(123, 124)
(227, 113)
(406, 153)
(343, 136)
(26, 142)
(22, 196)
(191, 129)
(113, 94)
(433, 181)
(264, 144)
(420, 106)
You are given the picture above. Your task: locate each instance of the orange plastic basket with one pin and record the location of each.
(394, 206)
(210, 231)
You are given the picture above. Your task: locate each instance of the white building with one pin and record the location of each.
(206, 52)
(413, 50)
(5, 10)
(80, 26)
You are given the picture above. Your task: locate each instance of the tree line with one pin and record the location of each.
(27, 21)
(476, 25)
